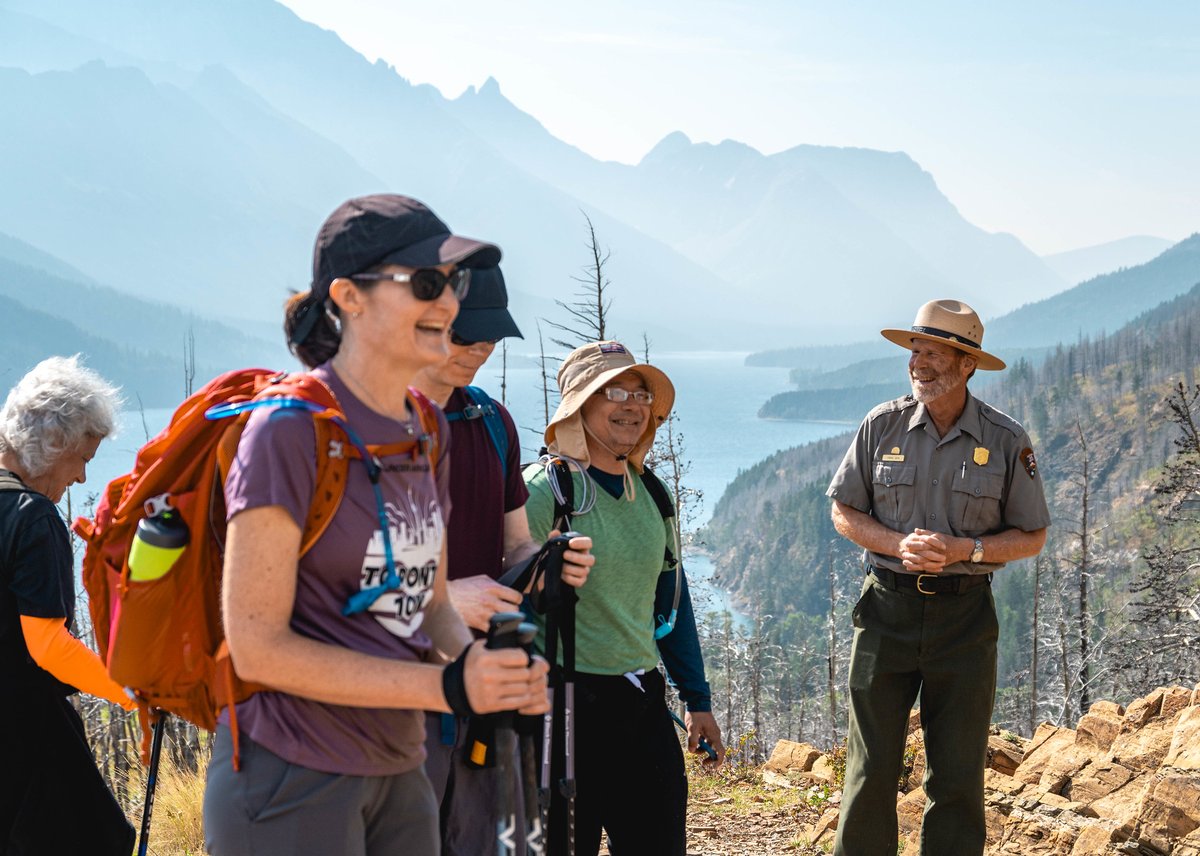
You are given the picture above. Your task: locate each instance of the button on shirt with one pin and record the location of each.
(974, 481)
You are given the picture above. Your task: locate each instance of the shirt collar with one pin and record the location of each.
(968, 421)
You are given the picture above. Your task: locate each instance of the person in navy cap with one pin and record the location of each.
(488, 535)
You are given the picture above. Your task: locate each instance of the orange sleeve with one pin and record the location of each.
(58, 652)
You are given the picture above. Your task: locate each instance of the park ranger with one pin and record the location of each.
(940, 490)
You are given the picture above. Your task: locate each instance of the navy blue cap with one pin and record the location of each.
(483, 314)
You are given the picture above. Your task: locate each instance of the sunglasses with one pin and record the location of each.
(426, 283)
(456, 339)
(640, 396)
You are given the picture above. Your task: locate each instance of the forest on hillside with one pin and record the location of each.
(1109, 610)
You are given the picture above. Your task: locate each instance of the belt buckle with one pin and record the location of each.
(920, 579)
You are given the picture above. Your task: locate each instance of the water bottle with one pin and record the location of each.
(156, 545)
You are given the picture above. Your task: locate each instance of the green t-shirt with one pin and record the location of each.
(614, 619)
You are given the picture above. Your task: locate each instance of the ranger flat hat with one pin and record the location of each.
(952, 323)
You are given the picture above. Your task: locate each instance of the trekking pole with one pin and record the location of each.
(560, 621)
(535, 832)
(160, 724)
(507, 630)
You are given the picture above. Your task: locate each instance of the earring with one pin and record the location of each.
(355, 315)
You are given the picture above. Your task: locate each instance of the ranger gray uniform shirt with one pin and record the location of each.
(981, 478)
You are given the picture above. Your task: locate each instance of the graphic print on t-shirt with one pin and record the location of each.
(416, 533)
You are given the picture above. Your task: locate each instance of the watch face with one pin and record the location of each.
(977, 555)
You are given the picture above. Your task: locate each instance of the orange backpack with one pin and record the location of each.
(163, 638)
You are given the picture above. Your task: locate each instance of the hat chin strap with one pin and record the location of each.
(605, 446)
(630, 488)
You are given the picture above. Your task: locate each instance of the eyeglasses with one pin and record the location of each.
(456, 339)
(426, 283)
(640, 396)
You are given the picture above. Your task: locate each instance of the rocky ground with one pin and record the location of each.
(1124, 782)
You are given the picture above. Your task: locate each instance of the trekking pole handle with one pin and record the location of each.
(509, 630)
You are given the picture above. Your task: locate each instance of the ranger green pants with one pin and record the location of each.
(941, 649)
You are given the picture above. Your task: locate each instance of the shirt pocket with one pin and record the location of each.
(893, 498)
(975, 503)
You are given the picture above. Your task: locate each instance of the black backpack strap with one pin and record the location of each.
(665, 623)
(666, 507)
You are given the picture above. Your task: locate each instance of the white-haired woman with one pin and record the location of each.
(52, 797)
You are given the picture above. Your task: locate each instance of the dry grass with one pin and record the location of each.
(177, 822)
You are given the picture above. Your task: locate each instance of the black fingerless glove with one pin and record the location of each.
(454, 685)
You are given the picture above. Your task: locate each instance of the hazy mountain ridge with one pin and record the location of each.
(808, 213)
(382, 121)
(137, 343)
(1102, 304)
(35, 335)
(226, 150)
(1082, 264)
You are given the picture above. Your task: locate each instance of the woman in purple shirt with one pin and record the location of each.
(331, 757)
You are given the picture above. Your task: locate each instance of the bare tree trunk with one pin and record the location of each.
(832, 659)
(756, 681)
(729, 667)
(1033, 666)
(189, 362)
(1065, 667)
(545, 377)
(1085, 616)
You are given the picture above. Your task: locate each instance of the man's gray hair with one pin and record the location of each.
(53, 409)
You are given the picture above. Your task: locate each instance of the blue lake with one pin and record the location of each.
(717, 399)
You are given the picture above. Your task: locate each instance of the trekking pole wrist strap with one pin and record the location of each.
(454, 685)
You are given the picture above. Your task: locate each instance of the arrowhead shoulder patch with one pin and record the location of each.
(1029, 461)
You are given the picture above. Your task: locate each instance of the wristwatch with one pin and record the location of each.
(977, 553)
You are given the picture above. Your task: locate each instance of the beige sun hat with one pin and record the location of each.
(584, 372)
(952, 323)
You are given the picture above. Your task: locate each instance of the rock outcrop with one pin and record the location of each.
(1124, 782)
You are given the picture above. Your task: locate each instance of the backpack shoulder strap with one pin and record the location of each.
(659, 493)
(332, 464)
(427, 416)
(494, 423)
(666, 507)
(483, 407)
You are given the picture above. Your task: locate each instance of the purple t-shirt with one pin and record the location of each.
(481, 492)
(276, 465)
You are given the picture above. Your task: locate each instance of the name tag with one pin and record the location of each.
(892, 458)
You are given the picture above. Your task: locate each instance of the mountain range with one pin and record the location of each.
(169, 149)
(842, 382)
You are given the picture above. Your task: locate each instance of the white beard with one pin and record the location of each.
(927, 391)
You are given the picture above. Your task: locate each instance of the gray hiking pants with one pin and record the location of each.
(272, 807)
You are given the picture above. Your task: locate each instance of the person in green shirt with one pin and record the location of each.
(629, 770)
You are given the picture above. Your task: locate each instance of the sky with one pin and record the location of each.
(1066, 124)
